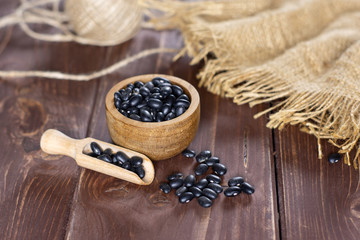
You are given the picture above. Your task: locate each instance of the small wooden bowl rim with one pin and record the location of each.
(186, 86)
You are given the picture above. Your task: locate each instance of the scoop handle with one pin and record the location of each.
(55, 142)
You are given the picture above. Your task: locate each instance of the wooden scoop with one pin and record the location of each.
(55, 142)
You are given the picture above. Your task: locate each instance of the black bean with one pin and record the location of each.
(124, 95)
(186, 197)
(135, 99)
(201, 169)
(117, 104)
(123, 112)
(235, 181)
(165, 84)
(140, 171)
(135, 117)
(177, 90)
(175, 176)
(138, 84)
(188, 153)
(144, 91)
(133, 110)
(169, 116)
(114, 160)
(155, 103)
(95, 148)
(117, 96)
(183, 97)
(165, 90)
(205, 202)
(232, 191)
(165, 109)
(219, 169)
(176, 183)
(145, 114)
(160, 117)
(156, 82)
(165, 188)
(170, 100)
(160, 80)
(108, 151)
(125, 105)
(211, 161)
(189, 181)
(136, 161)
(126, 165)
(182, 103)
(334, 157)
(173, 110)
(202, 183)
(121, 157)
(208, 192)
(216, 187)
(247, 188)
(179, 111)
(213, 178)
(203, 155)
(180, 190)
(136, 90)
(196, 191)
(105, 157)
(130, 86)
(155, 90)
(149, 85)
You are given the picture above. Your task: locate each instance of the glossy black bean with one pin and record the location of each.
(105, 157)
(235, 181)
(117, 104)
(108, 151)
(159, 80)
(216, 187)
(211, 161)
(126, 165)
(132, 110)
(125, 105)
(175, 176)
(138, 84)
(201, 169)
(189, 181)
(188, 153)
(165, 90)
(170, 100)
(202, 183)
(176, 183)
(183, 97)
(213, 178)
(177, 90)
(169, 116)
(181, 103)
(186, 197)
(203, 155)
(179, 111)
(155, 103)
(135, 99)
(144, 91)
(205, 202)
(114, 160)
(165, 109)
(141, 105)
(208, 192)
(130, 86)
(160, 117)
(180, 190)
(247, 188)
(124, 95)
(165, 188)
(232, 191)
(334, 157)
(219, 169)
(155, 90)
(121, 157)
(144, 113)
(156, 82)
(123, 112)
(149, 85)
(140, 171)
(173, 110)
(117, 96)
(136, 161)
(135, 117)
(95, 148)
(196, 191)
(136, 91)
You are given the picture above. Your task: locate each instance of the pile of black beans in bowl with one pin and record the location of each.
(155, 101)
(119, 159)
(205, 189)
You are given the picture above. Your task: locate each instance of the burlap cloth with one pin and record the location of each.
(301, 55)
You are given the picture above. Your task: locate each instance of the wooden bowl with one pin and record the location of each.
(157, 140)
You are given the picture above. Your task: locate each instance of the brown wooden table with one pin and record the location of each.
(49, 197)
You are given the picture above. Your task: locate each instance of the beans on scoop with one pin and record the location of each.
(155, 101)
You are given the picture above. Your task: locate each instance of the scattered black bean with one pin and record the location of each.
(247, 188)
(189, 181)
(196, 191)
(203, 155)
(216, 187)
(188, 153)
(180, 190)
(211, 161)
(202, 183)
(95, 148)
(201, 169)
(176, 183)
(205, 202)
(175, 176)
(219, 169)
(232, 191)
(208, 192)
(165, 187)
(235, 181)
(186, 197)
(334, 157)
(213, 178)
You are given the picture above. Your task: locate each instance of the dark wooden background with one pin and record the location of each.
(49, 197)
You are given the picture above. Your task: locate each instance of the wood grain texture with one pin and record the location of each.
(318, 200)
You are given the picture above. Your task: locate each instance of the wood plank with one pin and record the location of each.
(319, 200)
(108, 208)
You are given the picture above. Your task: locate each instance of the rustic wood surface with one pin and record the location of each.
(49, 197)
